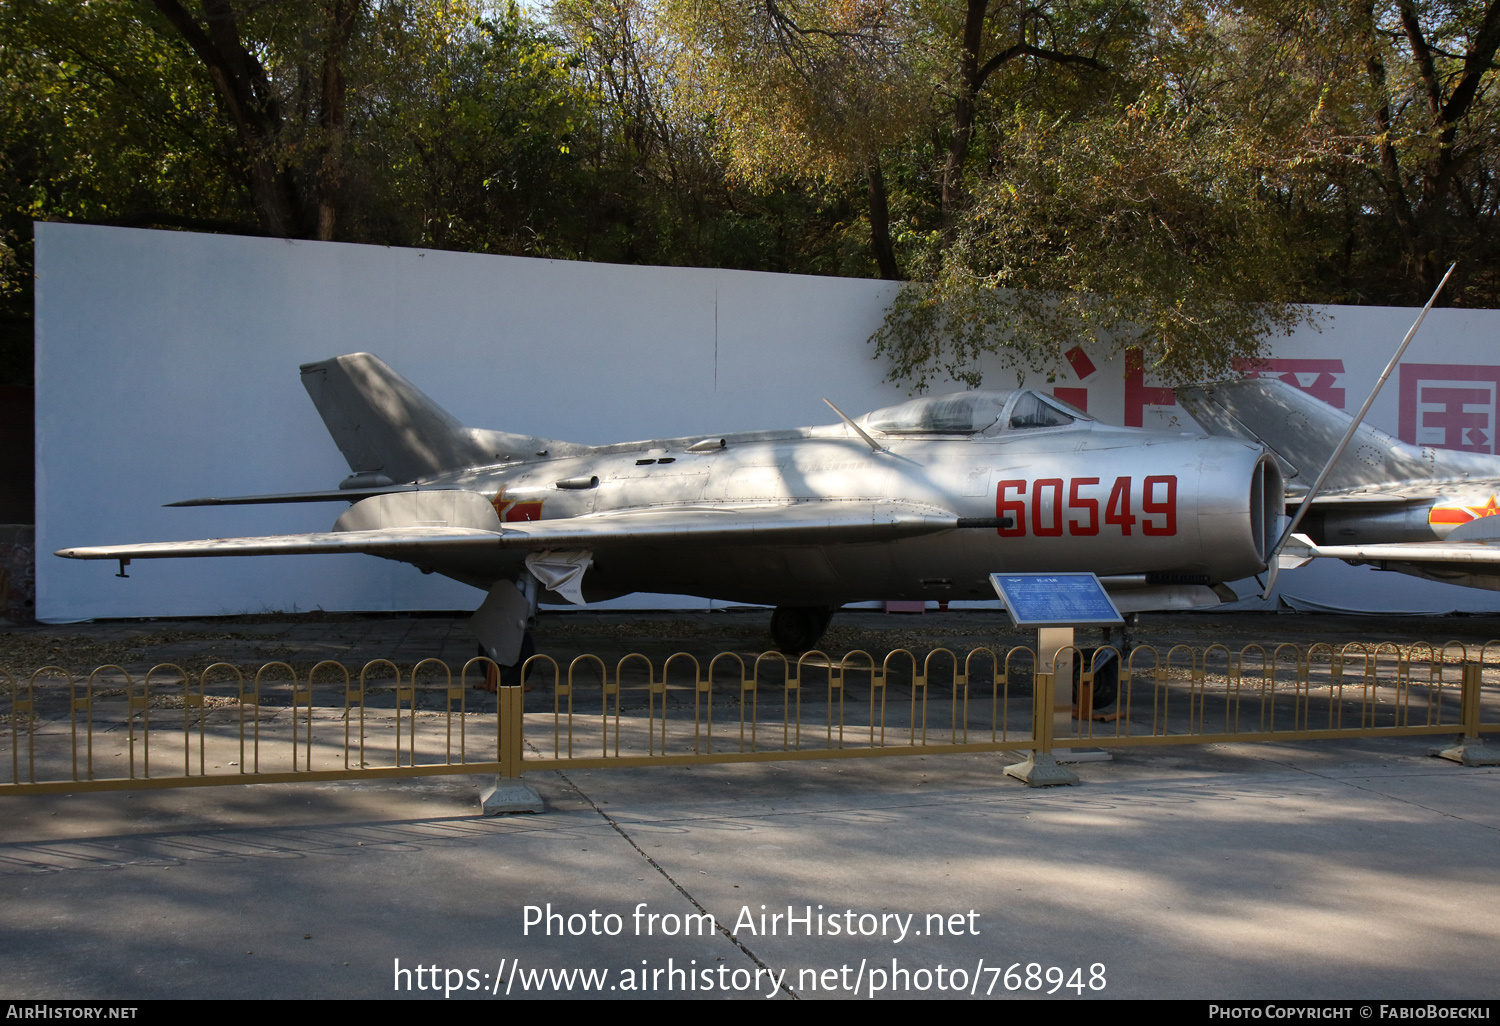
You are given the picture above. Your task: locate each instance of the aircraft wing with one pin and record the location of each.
(397, 543)
(1470, 556)
(334, 495)
(831, 523)
(1358, 498)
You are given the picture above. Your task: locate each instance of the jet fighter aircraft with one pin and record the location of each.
(1416, 510)
(922, 500)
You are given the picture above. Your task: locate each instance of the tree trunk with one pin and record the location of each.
(331, 116)
(880, 223)
(245, 91)
(963, 112)
(1419, 216)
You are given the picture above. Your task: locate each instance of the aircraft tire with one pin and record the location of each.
(796, 629)
(511, 675)
(1106, 679)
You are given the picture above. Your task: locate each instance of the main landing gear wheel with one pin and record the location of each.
(798, 628)
(1106, 677)
(509, 676)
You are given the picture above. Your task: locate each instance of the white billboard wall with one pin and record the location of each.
(166, 368)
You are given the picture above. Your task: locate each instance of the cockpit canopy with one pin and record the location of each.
(974, 413)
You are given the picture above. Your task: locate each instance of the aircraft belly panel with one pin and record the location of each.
(801, 574)
(476, 571)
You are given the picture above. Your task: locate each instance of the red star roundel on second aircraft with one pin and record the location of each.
(1457, 514)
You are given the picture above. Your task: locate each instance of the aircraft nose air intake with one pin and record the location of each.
(1266, 506)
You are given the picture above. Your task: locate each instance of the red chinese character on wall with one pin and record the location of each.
(1139, 395)
(1449, 406)
(1080, 362)
(1082, 367)
(1315, 377)
(1078, 397)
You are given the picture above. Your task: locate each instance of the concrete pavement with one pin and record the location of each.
(1333, 869)
(1341, 869)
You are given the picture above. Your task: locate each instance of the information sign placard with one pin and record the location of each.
(1055, 600)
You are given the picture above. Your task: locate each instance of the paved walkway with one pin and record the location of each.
(1361, 869)
(1346, 869)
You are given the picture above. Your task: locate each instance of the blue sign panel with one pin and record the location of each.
(1055, 600)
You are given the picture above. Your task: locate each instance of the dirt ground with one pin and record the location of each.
(354, 639)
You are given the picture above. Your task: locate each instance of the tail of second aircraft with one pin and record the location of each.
(1302, 432)
(390, 431)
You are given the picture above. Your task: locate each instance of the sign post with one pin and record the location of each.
(1054, 604)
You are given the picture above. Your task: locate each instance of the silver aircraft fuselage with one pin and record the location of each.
(1082, 496)
(923, 500)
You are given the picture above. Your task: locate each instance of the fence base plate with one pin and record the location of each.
(510, 795)
(1041, 770)
(1083, 755)
(1470, 752)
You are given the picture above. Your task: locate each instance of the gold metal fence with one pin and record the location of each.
(172, 727)
(1286, 691)
(773, 707)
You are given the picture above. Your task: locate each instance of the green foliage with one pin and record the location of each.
(101, 117)
(1171, 174)
(659, 189)
(103, 120)
(1138, 228)
(808, 90)
(466, 137)
(1388, 111)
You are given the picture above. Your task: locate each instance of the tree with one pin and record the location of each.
(1135, 231)
(661, 187)
(101, 120)
(1172, 175)
(1390, 106)
(1022, 40)
(1108, 204)
(654, 176)
(810, 90)
(470, 140)
(397, 123)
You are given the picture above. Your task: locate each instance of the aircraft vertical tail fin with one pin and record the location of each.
(390, 431)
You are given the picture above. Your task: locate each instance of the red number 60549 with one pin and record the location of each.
(1083, 515)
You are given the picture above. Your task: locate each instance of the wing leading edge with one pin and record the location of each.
(831, 523)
